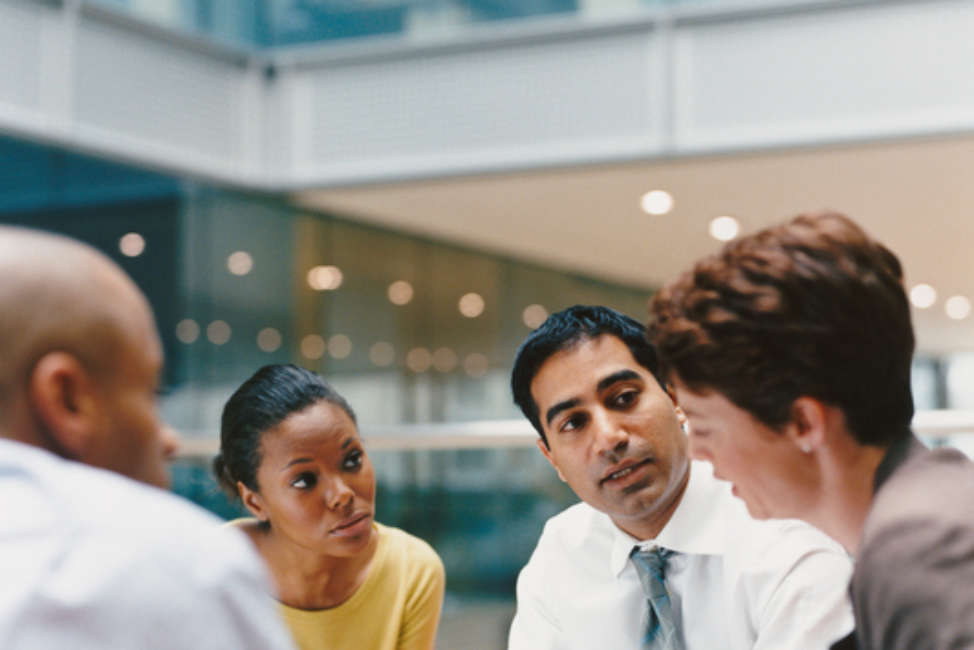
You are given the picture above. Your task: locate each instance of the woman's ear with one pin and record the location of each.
(681, 417)
(65, 401)
(252, 501)
(809, 420)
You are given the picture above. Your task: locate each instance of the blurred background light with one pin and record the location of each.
(131, 244)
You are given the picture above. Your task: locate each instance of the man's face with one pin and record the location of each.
(132, 440)
(613, 432)
(766, 468)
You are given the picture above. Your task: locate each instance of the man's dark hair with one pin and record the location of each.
(269, 397)
(813, 307)
(566, 329)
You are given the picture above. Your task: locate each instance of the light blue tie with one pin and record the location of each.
(662, 631)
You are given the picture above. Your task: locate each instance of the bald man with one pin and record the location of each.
(92, 554)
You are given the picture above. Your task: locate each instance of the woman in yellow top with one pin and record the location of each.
(289, 447)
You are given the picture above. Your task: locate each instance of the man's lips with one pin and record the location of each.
(623, 469)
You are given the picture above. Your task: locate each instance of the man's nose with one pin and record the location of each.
(612, 437)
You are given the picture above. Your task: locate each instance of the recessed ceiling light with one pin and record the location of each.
(419, 359)
(471, 305)
(476, 365)
(957, 307)
(382, 353)
(218, 332)
(400, 292)
(339, 346)
(534, 315)
(923, 296)
(313, 346)
(724, 228)
(187, 330)
(325, 278)
(240, 263)
(131, 244)
(444, 359)
(269, 339)
(656, 202)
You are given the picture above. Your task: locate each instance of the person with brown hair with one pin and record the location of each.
(790, 352)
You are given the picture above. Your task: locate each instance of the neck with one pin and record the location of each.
(651, 525)
(847, 492)
(308, 579)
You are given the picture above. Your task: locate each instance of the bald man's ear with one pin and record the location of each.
(63, 396)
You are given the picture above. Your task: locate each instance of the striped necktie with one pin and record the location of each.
(662, 631)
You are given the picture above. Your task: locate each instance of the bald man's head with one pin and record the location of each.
(81, 356)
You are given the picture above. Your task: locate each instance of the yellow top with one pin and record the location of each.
(396, 608)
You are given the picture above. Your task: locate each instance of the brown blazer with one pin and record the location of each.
(913, 584)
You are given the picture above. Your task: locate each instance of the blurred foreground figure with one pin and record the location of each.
(790, 352)
(659, 556)
(90, 558)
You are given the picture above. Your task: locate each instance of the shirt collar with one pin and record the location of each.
(696, 526)
(905, 446)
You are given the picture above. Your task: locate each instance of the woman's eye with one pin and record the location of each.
(304, 481)
(352, 461)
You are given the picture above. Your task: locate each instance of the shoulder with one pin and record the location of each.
(413, 555)
(136, 525)
(572, 540)
(923, 514)
(573, 527)
(160, 560)
(777, 560)
(931, 488)
(914, 563)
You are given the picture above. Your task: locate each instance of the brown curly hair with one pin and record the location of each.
(812, 307)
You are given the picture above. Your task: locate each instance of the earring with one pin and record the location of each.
(805, 447)
(685, 425)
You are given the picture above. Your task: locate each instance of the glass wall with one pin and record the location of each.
(280, 23)
(411, 331)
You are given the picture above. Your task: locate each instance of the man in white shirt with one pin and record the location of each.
(91, 556)
(586, 379)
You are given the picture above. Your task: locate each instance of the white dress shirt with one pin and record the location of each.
(90, 559)
(735, 584)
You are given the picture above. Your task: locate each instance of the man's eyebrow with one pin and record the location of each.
(559, 407)
(616, 377)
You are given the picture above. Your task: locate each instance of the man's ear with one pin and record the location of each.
(547, 454)
(65, 400)
(252, 501)
(809, 421)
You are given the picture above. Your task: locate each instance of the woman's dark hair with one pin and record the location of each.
(269, 397)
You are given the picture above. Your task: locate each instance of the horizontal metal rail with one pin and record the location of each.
(939, 425)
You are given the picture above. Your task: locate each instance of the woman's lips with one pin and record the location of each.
(353, 526)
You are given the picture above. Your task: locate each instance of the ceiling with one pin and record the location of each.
(917, 196)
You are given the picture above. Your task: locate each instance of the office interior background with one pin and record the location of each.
(395, 192)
